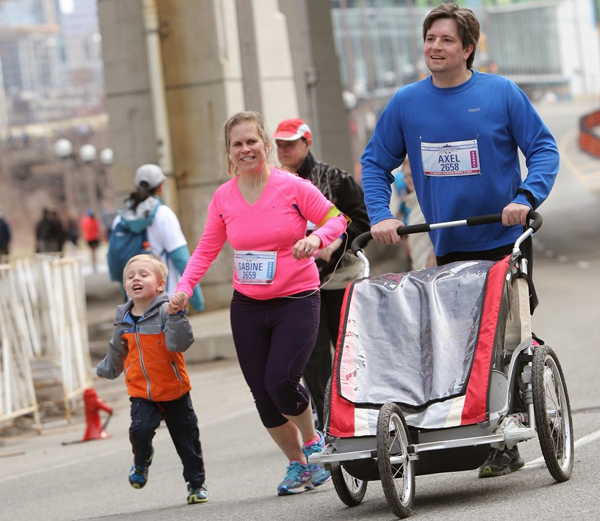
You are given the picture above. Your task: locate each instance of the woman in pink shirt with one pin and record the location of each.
(263, 212)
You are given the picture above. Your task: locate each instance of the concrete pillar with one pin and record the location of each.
(318, 81)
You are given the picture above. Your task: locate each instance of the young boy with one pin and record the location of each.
(147, 345)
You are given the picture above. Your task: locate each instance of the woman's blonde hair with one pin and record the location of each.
(160, 268)
(236, 119)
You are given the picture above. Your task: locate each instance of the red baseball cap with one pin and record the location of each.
(293, 129)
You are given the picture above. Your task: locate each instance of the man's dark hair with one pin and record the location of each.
(466, 22)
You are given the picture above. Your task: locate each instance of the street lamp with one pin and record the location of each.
(106, 156)
(64, 150)
(88, 155)
(107, 159)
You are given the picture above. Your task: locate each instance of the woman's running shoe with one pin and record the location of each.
(296, 480)
(318, 475)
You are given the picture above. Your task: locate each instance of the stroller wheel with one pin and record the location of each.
(349, 489)
(396, 470)
(553, 413)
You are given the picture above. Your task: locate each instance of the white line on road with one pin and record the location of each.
(539, 462)
(531, 465)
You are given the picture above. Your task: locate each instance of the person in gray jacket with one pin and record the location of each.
(147, 346)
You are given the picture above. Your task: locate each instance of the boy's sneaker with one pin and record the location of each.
(296, 480)
(318, 475)
(197, 495)
(501, 462)
(138, 475)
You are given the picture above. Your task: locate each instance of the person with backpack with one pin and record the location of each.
(147, 225)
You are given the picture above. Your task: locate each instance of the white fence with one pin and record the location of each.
(17, 394)
(43, 323)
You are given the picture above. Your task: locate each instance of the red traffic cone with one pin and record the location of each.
(94, 428)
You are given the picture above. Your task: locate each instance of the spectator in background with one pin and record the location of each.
(71, 229)
(90, 229)
(418, 245)
(48, 233)
(401, 189)
(58, 232)
(5, 235)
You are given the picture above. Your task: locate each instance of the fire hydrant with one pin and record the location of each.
(95, 430)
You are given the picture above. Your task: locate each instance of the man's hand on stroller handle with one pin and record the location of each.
(386, 231)
(515, 213)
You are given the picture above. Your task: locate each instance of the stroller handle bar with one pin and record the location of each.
(363, 239)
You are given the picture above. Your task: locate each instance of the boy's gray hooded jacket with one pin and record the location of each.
(149, 352)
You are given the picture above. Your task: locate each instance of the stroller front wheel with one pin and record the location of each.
(397, 479)
(552, 413)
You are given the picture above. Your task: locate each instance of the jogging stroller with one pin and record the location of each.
(434, 368)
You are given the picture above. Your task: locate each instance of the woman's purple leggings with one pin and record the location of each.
(274, 340)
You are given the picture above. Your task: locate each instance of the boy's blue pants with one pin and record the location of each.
(182, 423)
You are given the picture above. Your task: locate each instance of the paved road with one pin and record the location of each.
(41, 479)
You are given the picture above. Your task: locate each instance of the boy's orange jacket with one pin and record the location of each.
(149, 352)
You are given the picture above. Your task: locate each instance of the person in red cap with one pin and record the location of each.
(337, 266)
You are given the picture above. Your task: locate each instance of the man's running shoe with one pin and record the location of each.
(197, 495)
(318, 475)
(296, 480)
(138, 475)
(501, 463)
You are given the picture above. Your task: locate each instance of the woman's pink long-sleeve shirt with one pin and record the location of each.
(275, 223)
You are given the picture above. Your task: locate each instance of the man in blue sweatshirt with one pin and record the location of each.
(462, 130)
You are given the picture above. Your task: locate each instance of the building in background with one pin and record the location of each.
(82, 53)
(50, 58)
(51, 91)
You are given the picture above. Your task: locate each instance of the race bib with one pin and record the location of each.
(255, 267)
(450, 159)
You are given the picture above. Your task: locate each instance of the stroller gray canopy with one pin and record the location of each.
(410, 338)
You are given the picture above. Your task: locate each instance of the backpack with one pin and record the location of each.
(129, 238)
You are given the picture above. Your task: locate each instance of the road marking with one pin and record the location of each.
(221, 419)
(539, 462)
(566, 141)
(536, 463)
